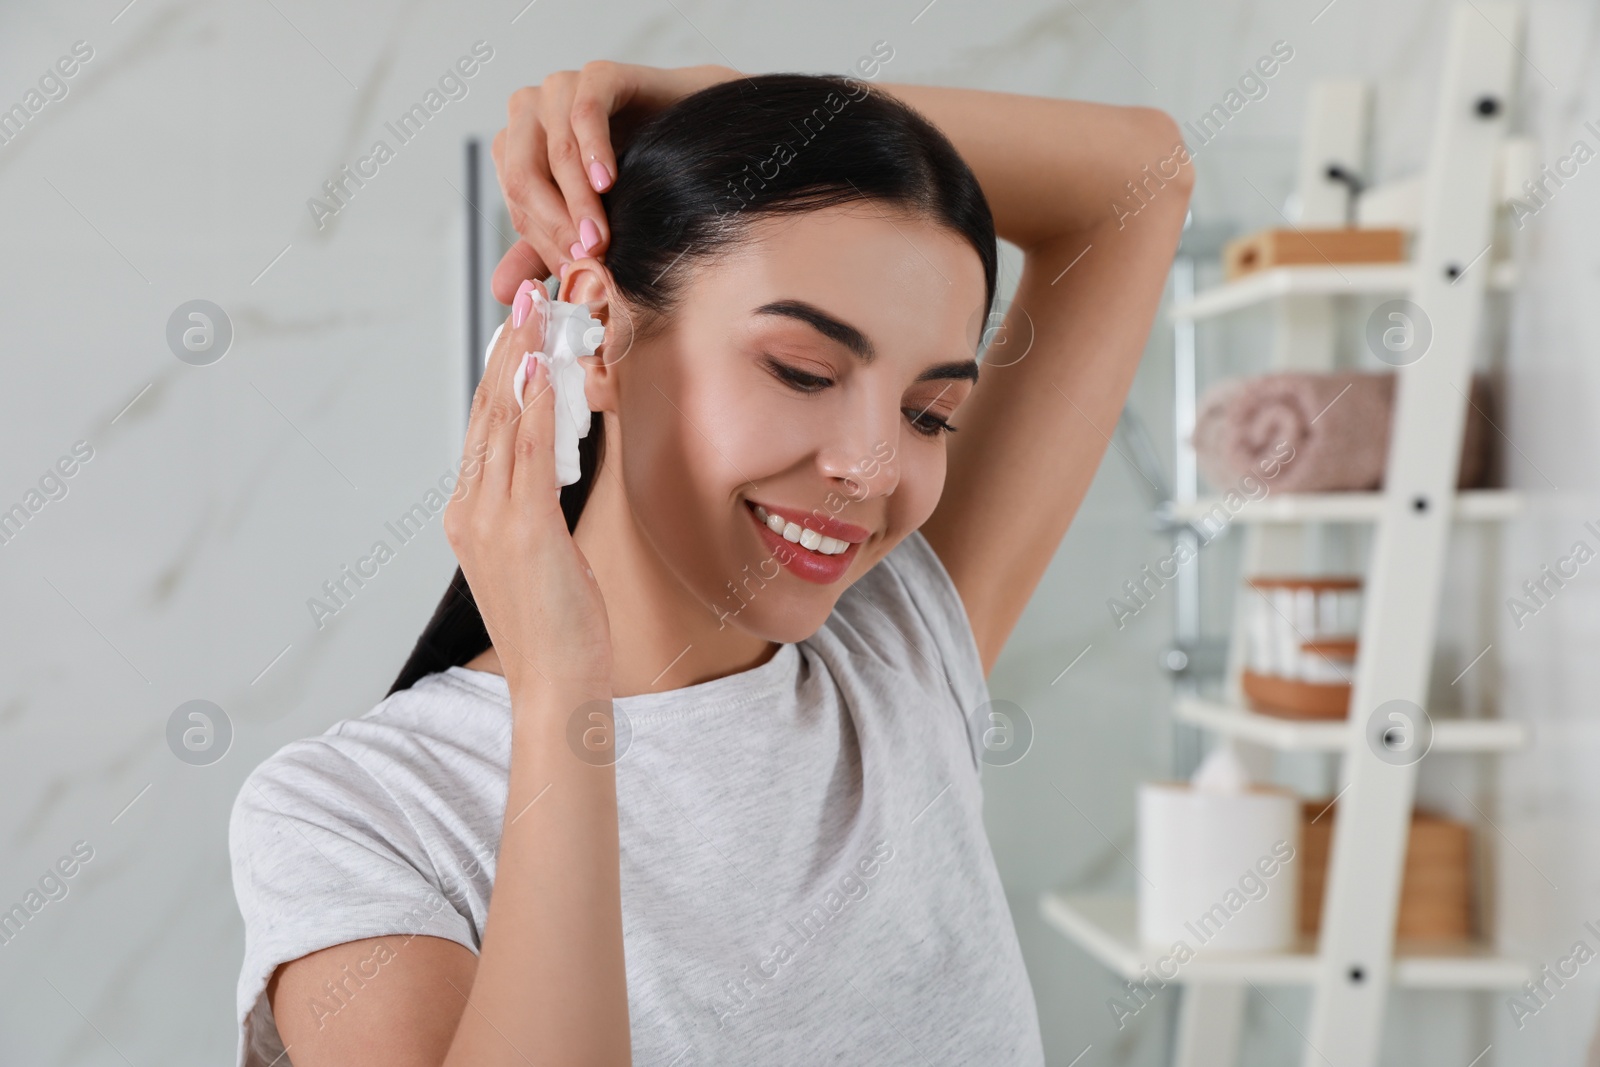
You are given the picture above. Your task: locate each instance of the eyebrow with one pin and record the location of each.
(841, 332)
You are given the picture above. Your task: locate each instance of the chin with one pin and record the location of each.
(775, 620)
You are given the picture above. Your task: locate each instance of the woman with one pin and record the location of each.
(701, 720)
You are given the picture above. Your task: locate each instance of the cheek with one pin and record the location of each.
(697, 436)
(921, 468)
(694, 438)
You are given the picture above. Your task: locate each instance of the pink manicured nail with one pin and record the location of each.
(576, 251)
(528, 363)
(599, 177)
(522, 303)
(563, 270)
(588, 234)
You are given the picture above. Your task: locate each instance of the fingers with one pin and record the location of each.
(604, 88)
(513, 152)
(474, 453)
(533, 478)
(520, 263)
(555, 157)
(582, 214)
(578, 133)
(524, 333)
(521, 161)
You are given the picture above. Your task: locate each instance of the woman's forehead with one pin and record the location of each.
(894, 278)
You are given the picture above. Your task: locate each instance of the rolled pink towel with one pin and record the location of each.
(1337, 425)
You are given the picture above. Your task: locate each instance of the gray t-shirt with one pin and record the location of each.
(805, 873)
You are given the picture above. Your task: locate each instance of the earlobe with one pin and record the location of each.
(599, 386)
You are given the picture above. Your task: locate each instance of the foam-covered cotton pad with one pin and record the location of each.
(570, 332)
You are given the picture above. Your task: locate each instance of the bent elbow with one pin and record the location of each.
(1161, 139)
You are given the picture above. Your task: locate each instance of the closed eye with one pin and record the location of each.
(922, 421)
(806, 383)
(927, 424)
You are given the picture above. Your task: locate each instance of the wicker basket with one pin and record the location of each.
(1435, 890)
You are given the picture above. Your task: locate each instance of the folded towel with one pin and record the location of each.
(1337, 424)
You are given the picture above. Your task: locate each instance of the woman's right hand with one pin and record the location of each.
(555, 157)
(536, 592)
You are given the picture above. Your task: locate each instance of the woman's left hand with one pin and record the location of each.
(555, 158)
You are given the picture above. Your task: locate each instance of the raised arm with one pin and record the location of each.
(1095, 197)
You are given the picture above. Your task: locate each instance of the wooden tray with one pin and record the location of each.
(1289, 248)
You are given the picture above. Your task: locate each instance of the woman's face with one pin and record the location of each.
(808, 373)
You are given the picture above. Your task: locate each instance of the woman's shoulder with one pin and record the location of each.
(347, 834)
(446, 733)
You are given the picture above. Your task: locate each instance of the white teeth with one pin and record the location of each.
(806, 538)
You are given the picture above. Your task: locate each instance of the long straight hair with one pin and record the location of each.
(690, 178)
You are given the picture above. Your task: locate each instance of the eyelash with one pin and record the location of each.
(925, 424)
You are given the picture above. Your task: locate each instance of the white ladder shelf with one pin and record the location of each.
(1356, 960)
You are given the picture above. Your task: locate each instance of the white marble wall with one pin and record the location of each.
(219, 498)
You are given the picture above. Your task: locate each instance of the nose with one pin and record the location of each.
(864, 460)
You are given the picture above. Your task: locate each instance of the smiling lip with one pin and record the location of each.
(801, 561)
(843, 531)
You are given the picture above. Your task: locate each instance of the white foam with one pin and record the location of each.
(570, 332)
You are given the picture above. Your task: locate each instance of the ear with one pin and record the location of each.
(588, 282)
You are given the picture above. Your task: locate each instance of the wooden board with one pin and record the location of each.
(1287, 248)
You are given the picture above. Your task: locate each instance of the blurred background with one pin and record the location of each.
(216, 487)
